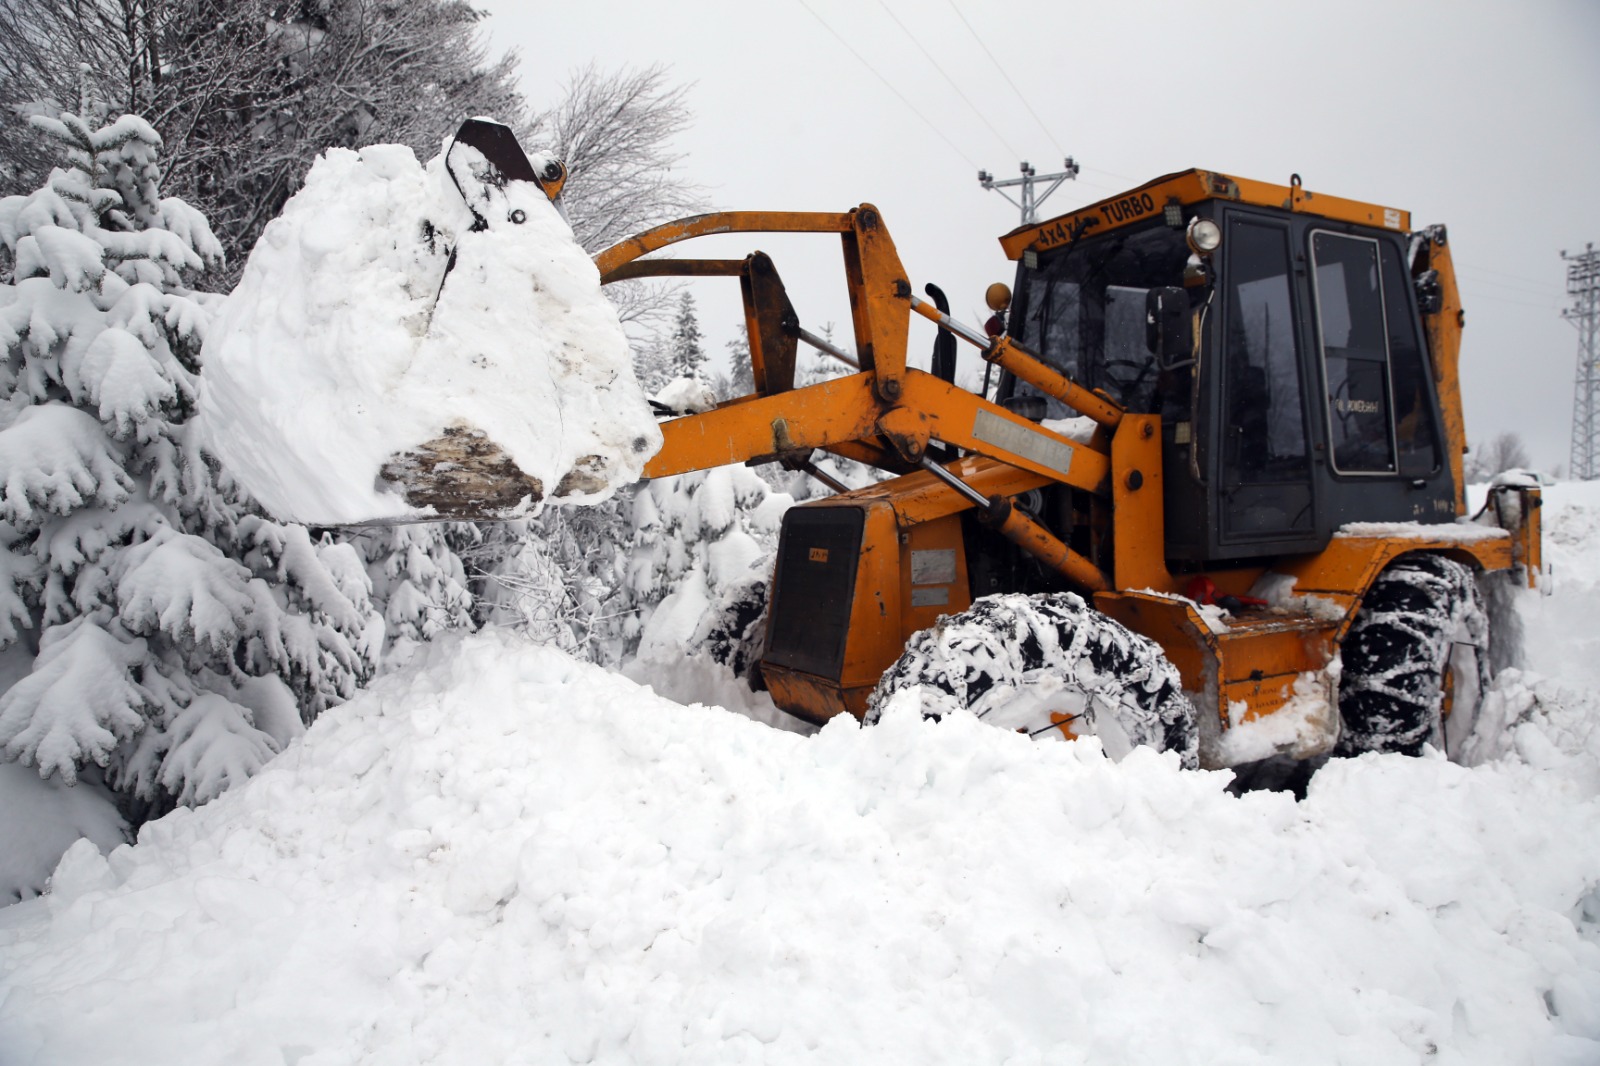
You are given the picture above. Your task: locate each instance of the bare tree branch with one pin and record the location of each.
(614, 132)
(1502, 453)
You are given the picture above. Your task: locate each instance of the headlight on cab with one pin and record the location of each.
(1204, 236)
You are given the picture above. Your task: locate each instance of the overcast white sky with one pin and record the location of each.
(1483, 116)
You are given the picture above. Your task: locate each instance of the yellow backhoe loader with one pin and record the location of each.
(1213, 502)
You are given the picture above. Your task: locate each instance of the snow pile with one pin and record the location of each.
(394, 316)
(686, 396)
(1562, 637)
(504, 855)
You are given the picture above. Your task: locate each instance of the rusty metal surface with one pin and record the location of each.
(684, 229)
(770, 324)
(815, 699)
(1246, 672)
(676, 268)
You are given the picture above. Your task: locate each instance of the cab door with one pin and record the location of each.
(1379, 452)
(1265, 488)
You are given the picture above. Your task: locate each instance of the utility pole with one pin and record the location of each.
(1583, 285)
(1029, 204)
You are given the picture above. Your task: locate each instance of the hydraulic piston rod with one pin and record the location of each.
(1008, 355)
(1025, 533)
(826, 347)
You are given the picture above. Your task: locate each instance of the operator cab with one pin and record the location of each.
(1305, 399)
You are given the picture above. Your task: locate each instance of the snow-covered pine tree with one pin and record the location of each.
(652, 364)
(419, 582)
(152, 622)
(701, 543)
(560, 577)
(741, 375)
(688, 356)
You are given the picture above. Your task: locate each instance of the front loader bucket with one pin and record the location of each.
(405, 349)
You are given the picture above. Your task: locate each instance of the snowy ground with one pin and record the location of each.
(502, 855)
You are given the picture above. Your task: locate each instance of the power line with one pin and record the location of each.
(888, 85)
(1110, 173)
(1513, 287)
(1551, 306)
(981, 116)
(1006, 76)
(1098, 185)
(1502, 273)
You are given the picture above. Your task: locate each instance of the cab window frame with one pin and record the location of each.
(1325, 404)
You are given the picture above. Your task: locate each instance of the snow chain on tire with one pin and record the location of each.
(1049, 665)
(1399, 651)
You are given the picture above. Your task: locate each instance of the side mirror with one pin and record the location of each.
(1167, 332)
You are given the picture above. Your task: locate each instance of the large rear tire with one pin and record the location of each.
(1050, 666)
(1416, 655)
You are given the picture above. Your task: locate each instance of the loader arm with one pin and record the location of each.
(883, 409)
(876, 280)
(883, 414)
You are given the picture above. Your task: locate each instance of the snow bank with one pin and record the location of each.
(1563, 625)
(503, 855)
(348, 359)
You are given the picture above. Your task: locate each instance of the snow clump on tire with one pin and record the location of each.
(1050, 666)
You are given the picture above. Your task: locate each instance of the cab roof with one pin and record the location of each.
(1192, 187)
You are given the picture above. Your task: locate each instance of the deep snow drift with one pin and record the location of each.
(503, 855)
(347, 343)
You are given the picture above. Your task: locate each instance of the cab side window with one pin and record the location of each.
(1264, 430)
(1415, 426)
(1354, 335)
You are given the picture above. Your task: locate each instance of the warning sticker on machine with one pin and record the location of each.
(933, 566)
(1021, 440)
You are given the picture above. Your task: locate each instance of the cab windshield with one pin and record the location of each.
(1082, 310)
